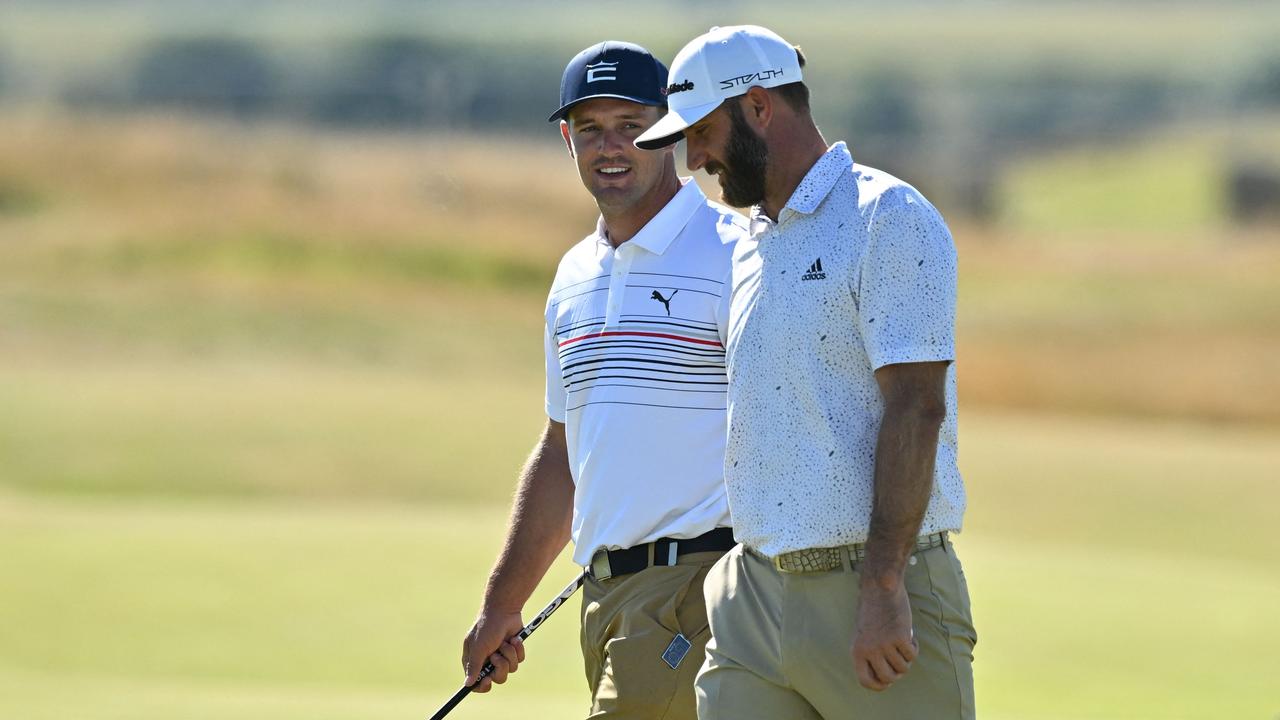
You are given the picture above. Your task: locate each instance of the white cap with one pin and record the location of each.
(725, 62)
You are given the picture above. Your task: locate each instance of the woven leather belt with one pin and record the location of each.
(663, 551)
(813, 560)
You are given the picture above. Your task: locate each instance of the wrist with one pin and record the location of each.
(495, 603)
(491, 613)
(888, 581)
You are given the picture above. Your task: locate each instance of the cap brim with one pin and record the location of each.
(564, 109)
(672, 125)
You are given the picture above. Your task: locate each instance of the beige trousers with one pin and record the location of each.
(628, 623)
(781, 647)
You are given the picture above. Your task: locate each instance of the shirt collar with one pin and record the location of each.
(816, 184)
(657, 234)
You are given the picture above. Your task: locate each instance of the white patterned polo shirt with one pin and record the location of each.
(859, 272)
(635, 370)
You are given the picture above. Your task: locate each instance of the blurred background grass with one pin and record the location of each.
(271, 282)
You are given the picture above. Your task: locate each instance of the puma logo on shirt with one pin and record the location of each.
(666, 302)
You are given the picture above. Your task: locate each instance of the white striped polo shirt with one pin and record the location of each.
(635, 370)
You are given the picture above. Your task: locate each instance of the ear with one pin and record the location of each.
(564, 133)
(757, 107)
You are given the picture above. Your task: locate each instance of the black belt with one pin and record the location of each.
(660, 552)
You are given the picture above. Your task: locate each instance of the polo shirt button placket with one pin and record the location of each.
(622, 257)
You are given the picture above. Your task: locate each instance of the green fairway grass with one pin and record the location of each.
(266, 430)
(247, 611)
(1090, 192)
(1107, 561)
(1165, 190)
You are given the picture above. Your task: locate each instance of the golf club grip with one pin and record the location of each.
(525, 632)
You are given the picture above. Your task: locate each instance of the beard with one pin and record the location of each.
(745, 162)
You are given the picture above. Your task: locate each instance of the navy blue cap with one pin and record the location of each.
(612, 69)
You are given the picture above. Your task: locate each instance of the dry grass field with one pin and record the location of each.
(311, 245)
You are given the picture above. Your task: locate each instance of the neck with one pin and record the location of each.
(622, 224)
(791, 156)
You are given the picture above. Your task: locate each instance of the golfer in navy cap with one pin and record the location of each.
(630, 466)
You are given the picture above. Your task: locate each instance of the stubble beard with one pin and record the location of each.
(746, 160)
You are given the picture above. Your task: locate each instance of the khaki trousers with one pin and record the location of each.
(628, 622)
(781, 647)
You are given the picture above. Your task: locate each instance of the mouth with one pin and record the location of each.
(613, 171)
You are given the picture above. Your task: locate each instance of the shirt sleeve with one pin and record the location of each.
(555, 398)
(906, 287)
(722, 307)
(731, 226)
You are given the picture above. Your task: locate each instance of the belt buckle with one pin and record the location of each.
(809, 560)
(600, 569)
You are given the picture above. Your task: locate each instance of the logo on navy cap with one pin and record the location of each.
(602, 71)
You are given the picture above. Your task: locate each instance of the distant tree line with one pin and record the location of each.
(414, 81)
(393, 82)
(959, 131)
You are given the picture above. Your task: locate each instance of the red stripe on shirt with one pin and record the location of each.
(642, 334)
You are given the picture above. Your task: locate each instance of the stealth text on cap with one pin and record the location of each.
(750, 78)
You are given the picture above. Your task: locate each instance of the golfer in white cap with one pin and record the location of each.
(845, 598)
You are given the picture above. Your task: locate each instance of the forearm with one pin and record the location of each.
(905, 453)
(539, 526)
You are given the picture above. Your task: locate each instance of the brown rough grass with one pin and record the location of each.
(219, 223)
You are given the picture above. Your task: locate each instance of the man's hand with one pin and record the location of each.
(493, 639)
(883, 643)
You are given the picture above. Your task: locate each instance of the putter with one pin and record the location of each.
(569, 589)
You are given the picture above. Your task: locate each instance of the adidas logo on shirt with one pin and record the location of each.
(815, 271)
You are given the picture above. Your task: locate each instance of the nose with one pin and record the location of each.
(613, 143)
